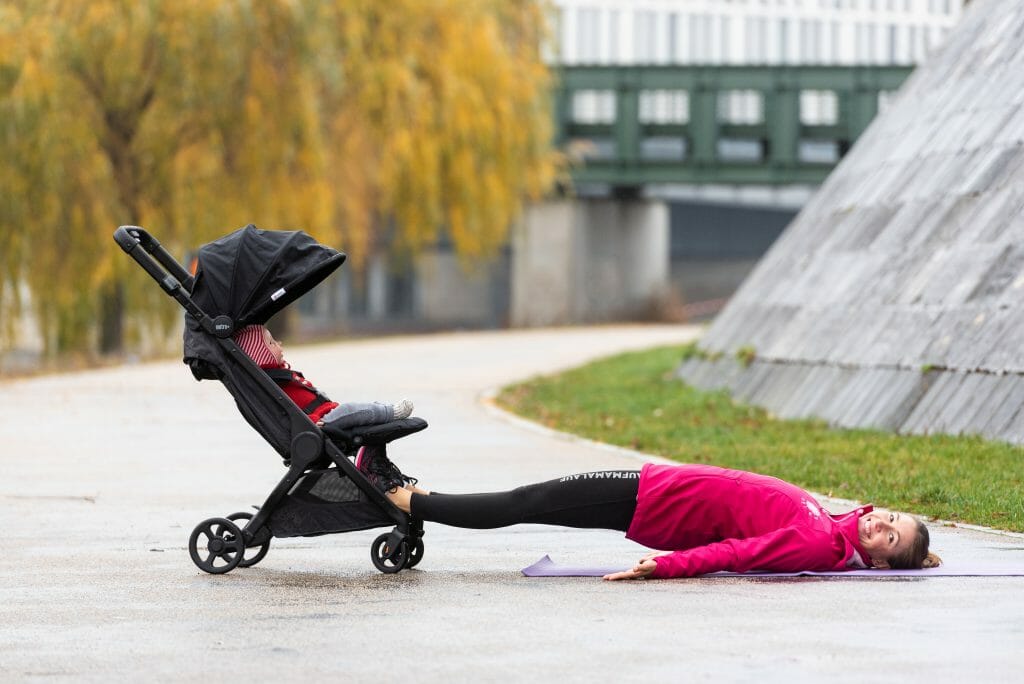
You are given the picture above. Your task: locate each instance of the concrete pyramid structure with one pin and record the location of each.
(895, 299)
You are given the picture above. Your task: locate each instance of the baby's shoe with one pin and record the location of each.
(402, 409)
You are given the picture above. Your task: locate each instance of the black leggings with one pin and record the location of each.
(605, 499)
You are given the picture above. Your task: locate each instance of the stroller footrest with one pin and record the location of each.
(367, 435)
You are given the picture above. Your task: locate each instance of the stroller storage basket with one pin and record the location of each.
(324, 502)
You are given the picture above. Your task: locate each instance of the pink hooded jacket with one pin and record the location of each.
(717, 519)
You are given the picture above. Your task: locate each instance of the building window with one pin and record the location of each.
(741, 107)
(818, 152)
(663, 148)
(593, 106)
(819, 107)
(740, 150)
(664, 107)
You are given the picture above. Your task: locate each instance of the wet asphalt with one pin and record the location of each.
(105, 473)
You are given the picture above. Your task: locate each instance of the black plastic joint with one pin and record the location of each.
(395, 540)
(170, 284)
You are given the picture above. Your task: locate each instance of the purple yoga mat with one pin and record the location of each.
(546, 567)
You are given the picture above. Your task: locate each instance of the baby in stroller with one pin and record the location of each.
(259, 344)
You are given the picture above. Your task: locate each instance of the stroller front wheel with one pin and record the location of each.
(386, 558)
(216, 546)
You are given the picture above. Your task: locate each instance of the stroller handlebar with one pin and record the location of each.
(160, 265)
(131, 237)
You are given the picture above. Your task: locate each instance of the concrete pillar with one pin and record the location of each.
(625, 259)
(589, 260)
(543, 264)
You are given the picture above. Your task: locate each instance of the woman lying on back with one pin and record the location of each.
(701, 518)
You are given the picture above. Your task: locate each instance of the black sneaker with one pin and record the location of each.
(380, 471)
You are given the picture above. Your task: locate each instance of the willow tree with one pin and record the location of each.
(444, 122)
(124, 111)
(193, 117)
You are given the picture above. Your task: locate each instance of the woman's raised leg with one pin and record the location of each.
(604, 499)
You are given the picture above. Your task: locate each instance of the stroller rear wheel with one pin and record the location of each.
(216, 546)
(387, 556)
(253, 554)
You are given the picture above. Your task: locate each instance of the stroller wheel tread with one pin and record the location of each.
(386, 559)
(216, 546)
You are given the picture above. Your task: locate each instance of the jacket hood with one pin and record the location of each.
(848, 526)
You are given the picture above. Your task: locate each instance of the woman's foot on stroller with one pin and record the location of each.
(402, 498)
(402, 409)
(380, 471)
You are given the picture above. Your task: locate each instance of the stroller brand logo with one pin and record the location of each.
(277, 295)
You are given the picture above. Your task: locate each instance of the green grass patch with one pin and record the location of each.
(633, 400)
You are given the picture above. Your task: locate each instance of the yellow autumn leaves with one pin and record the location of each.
(351, 119)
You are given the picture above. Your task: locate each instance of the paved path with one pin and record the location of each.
(97, 501)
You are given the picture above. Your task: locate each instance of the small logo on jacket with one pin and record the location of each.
(815, 511)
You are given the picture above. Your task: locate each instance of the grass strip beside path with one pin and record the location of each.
(633, 400)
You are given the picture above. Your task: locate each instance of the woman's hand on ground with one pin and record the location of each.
(639, 571)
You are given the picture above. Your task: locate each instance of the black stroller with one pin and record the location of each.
(244, 278)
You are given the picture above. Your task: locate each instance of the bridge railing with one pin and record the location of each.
(637, 125)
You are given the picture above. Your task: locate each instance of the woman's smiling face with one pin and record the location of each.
(884, 534)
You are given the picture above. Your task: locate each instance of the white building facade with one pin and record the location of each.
(748, 32)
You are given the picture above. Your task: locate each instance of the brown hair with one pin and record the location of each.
(917, 556)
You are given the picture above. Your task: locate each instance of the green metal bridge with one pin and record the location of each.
(632, 126)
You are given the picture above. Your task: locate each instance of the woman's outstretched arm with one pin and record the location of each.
(643, 568)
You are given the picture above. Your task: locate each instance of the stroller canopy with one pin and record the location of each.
(252, 274)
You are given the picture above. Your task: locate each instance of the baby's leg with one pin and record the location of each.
(352, 414)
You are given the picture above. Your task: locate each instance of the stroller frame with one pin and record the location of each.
(218, 545)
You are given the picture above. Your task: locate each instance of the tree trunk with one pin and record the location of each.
(112, 318)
